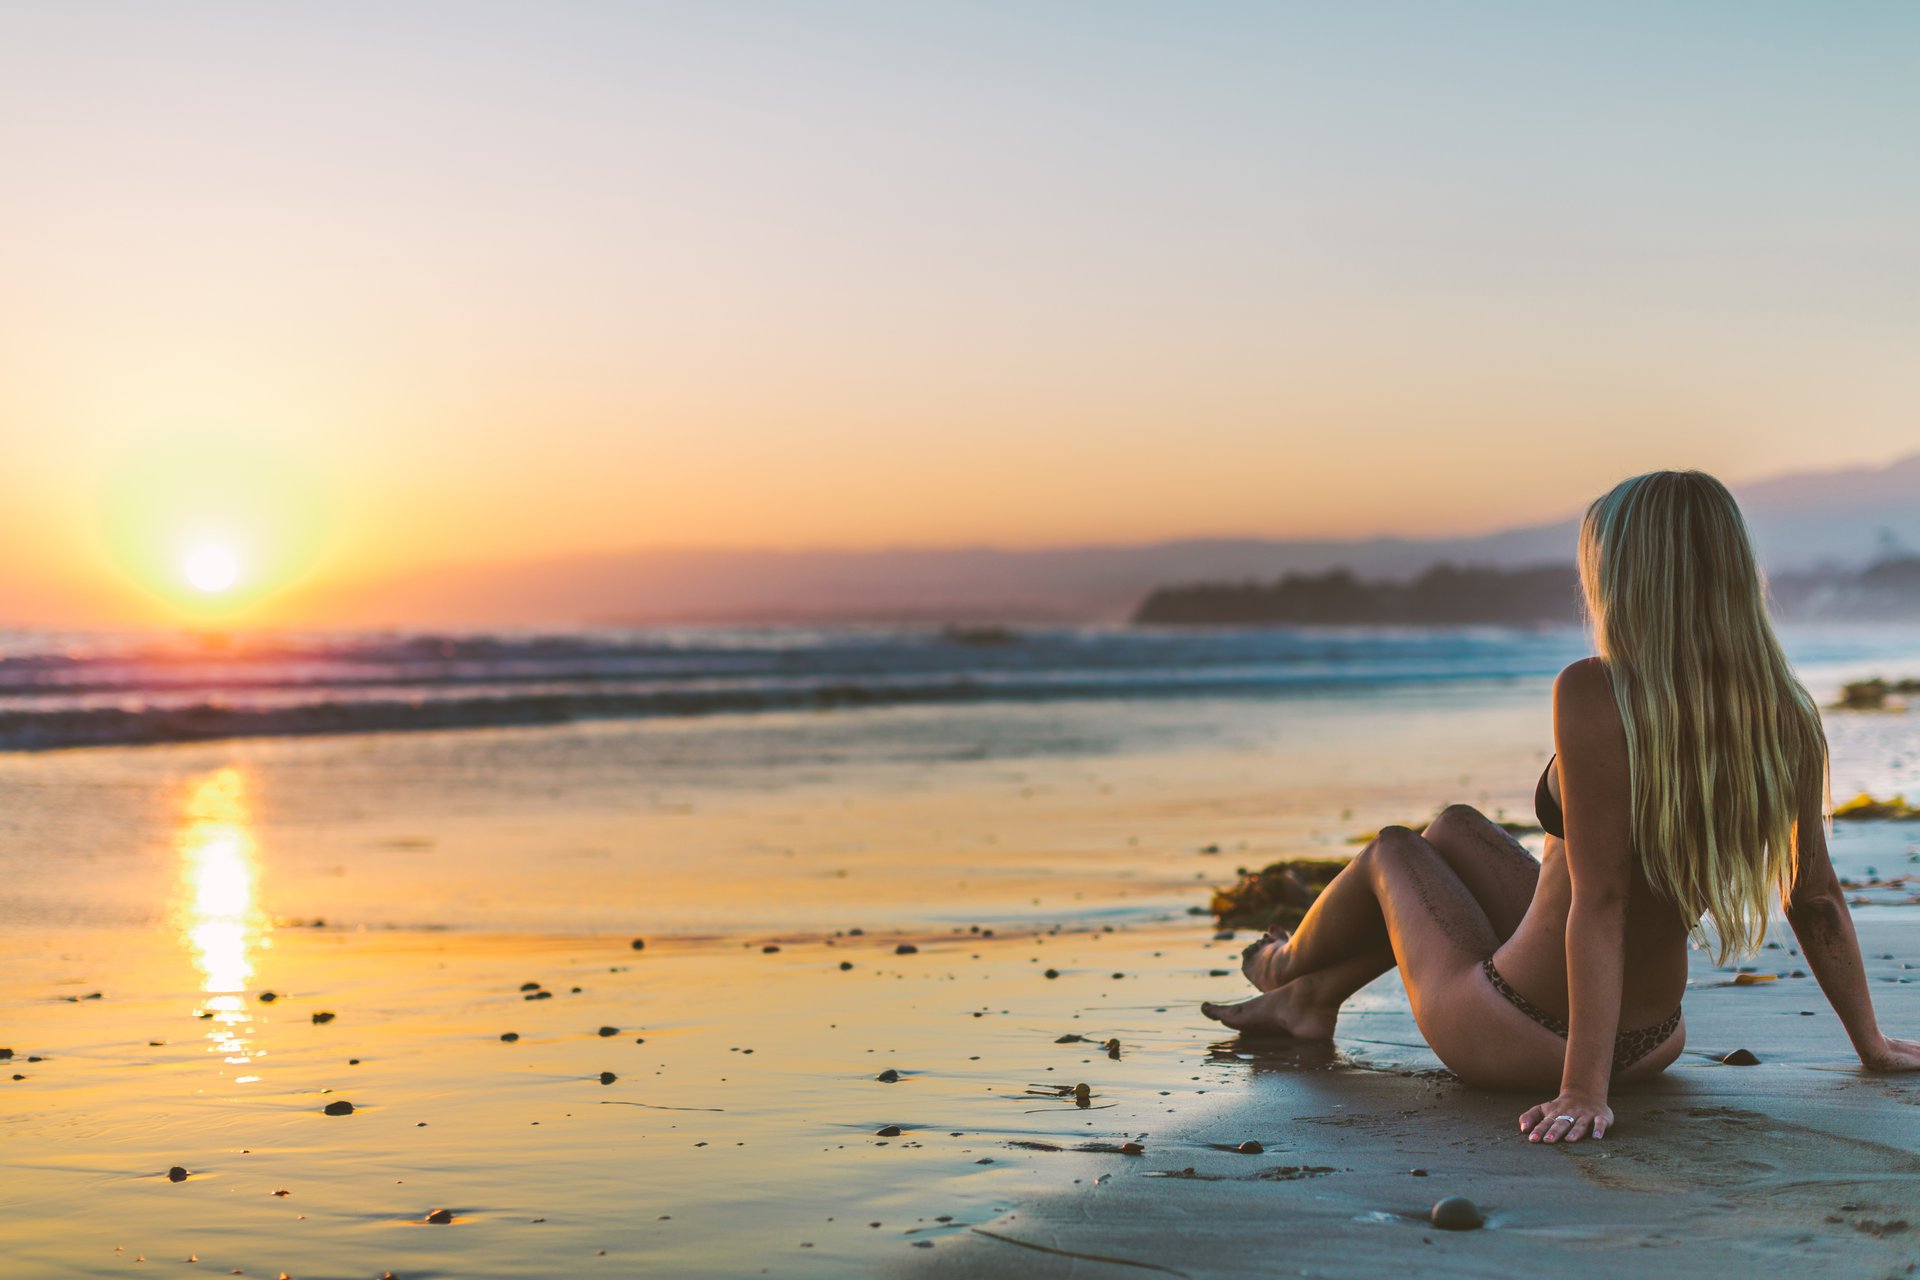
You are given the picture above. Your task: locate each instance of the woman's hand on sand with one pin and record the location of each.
(1893, 1055)
(1568, 1118)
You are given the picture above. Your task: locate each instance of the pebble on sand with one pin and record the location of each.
(607, 1077)
(906, 949)
(5, 1054)
(538, 995)
(1741, 1058)
(322, 1017)
(889, 1076)
(1082, 1092)
(340, 1108)
(268, 997)
(639, 944)
(1052, 973)
(609, 1031)
(845, 965)
(509, 1036)
(1457, 1213)
(529, 986)
(440, 1216)
(887, 1131)
(1132, 1149)
(176, 1174)
(1250, 1148)
(769, 949)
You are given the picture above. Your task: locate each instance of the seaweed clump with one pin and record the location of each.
(1865, 806)
(1276, 896)
(1871, 695)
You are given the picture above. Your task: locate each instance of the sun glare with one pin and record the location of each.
(211, 568)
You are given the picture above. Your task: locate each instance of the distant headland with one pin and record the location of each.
(1542, 595)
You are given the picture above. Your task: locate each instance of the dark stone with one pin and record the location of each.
(322, 1017)
(1457, 1213)
(845, 965)
(440, 1216)
(607, 1077)
(1741, 1058)
(769, 949)
(268, 997)
(1052, 973)
(639, 944)
(176, 1174)
(1250, 1148)
(1070, 1038)
(889, 1076)
(906, 949)
(538, 995)
(1132, 1149)
(5, 1054)
(510, 1036)
(529, 986)
(609, 1031)
(1418, 1173)
(341, 1108)
(887, 1131)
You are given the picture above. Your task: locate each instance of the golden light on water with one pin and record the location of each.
(220, 920)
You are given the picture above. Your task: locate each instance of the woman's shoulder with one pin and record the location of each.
(1587, 679)
(1583, 700)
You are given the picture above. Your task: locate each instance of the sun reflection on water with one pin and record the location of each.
(220, 920)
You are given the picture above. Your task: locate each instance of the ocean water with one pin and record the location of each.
(68, 690)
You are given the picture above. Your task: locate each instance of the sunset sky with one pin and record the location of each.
(338, 292)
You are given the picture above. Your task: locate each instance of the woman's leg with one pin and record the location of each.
(1496, 869)
(1399, 902)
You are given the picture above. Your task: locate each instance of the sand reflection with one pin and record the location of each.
(220, 921)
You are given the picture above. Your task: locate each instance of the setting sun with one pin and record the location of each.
(211, 568)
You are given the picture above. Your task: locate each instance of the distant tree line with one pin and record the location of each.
(1451, 595)
(1443, 595)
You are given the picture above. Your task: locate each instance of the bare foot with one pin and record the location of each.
(1284, 1011)
(1265, 959)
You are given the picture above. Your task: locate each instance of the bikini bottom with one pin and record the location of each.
(1628, 1047)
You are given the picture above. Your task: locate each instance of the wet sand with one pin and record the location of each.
(732, 1119)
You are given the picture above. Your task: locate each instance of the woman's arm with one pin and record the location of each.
(1596, 798)
(1816, 908)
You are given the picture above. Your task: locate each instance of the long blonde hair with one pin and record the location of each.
(1721, 738)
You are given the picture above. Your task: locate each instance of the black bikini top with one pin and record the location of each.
(1545, 807)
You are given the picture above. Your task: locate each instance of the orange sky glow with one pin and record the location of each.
(338, 295)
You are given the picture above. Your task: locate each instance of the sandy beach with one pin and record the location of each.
(881, 949)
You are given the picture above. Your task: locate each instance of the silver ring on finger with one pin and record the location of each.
(1568, 1119)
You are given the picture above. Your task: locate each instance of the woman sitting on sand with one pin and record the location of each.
(1688, 780)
